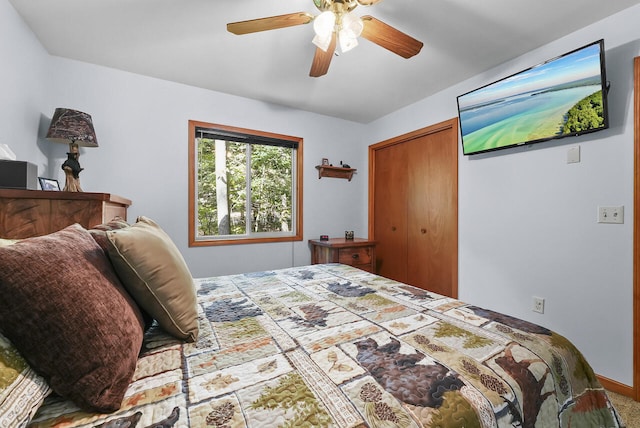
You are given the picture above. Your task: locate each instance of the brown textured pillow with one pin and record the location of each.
(22, 391)
(155, 273)
(66, 312)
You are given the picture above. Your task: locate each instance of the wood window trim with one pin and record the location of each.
(193, 242)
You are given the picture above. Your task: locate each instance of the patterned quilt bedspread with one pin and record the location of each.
(334, 346)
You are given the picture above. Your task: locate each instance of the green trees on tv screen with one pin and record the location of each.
(586, 115)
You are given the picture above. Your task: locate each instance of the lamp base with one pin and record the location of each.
(72, 184)
(72, 168)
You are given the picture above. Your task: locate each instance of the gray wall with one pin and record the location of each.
(142, 128)
(23, 83)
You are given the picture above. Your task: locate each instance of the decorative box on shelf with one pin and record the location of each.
(335, 171)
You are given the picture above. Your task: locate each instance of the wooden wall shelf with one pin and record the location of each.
(335, 172)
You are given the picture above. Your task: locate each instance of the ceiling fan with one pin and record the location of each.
(336, 24)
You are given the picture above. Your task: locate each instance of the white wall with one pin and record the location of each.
(141, 125)
(527, 219)
(23, 80)
(142, 129)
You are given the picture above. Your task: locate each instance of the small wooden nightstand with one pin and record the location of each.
(357, 252)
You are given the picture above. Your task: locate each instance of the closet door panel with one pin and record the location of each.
(420, 263)
(390, 212)
(432, 213)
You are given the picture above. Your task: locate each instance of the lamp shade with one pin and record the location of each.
(72, 126)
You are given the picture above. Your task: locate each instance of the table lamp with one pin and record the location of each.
(76, 129)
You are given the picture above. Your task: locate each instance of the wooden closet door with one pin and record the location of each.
(413, 207)
(432, 215)
(390, 211)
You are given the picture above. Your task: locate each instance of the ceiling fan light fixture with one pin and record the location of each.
(322, 42)
(347, 41)
(352, 25)
(324, 24)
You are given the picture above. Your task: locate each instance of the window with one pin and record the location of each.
(245, 186)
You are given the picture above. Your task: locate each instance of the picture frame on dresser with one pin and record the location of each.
(49, 184)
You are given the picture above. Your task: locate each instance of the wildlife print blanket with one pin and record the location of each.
(334, 346)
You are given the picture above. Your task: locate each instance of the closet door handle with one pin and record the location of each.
(393, 228)
(423, 230)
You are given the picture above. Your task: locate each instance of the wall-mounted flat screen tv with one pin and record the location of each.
(560, 97)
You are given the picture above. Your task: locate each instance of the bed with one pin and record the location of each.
(330, 345)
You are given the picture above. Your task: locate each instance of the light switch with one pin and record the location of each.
(611, 214)
(573, 155)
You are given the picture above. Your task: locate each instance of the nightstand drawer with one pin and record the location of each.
(354, 256)
(357, 252)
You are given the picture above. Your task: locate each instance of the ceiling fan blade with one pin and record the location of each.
(389, 38)
(322, 59)
(269, 23)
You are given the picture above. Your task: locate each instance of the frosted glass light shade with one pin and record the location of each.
(322, 42)
(347, 42)
(324, 24)
(350, 30)
(352, 25)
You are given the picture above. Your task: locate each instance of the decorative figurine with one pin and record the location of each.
(72, 168)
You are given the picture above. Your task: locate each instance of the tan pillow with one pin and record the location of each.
(155, 273)
(99, 231)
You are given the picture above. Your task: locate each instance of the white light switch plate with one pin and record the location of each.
(573, 155)
(613, 214)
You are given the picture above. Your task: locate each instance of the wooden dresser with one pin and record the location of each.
(357, 252)
(27, 213)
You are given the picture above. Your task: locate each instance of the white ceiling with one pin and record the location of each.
(186, 41)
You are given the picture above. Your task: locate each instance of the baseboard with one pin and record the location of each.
(617, 387)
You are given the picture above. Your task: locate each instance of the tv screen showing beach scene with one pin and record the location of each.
(558, 98)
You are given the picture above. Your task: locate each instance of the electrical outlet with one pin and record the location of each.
(538, 305)
(611, 214)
